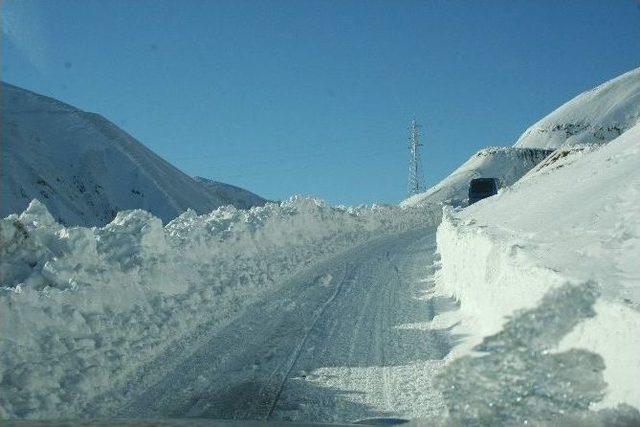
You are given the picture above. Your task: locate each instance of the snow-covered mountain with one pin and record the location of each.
(85, 169)
(230, 194)
(593, 117)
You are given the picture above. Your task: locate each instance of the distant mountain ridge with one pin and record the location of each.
(85, 169)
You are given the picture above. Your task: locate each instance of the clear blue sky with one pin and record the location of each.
(314, 97)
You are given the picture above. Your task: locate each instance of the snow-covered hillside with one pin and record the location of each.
(231, 195)
(593, 117)
(506, 164)
(548, 279)
(85, 169)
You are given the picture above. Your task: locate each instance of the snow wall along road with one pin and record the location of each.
(82, 308)
(547, 276)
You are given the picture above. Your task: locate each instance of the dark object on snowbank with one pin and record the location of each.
(480, 188)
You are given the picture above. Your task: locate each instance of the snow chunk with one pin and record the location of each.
(36, 215)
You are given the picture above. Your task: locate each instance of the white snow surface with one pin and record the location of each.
(85, 169)
(548, 277)
(507, 164)
(83, 309)
(594, 117)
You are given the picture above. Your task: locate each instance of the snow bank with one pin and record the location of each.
(490, 271)
(593, 117)
(548, 278)
(82, 308)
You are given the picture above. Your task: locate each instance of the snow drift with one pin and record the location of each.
(85, 169)
(548, 278)
(593, 117)
(83, 308)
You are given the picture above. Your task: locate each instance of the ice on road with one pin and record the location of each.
(345, 340)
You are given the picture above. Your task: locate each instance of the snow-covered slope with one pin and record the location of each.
(593, 117)
(85, 169)
(231, 195)
(506, 164)
(548, 278)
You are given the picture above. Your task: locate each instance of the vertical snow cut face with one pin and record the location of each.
(547, 276)
(83, 308)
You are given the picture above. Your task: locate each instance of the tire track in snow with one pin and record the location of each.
(296, 353)
(248, 370)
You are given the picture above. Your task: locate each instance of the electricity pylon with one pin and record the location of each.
(415, 176)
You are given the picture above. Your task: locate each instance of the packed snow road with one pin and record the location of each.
(345, 340)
